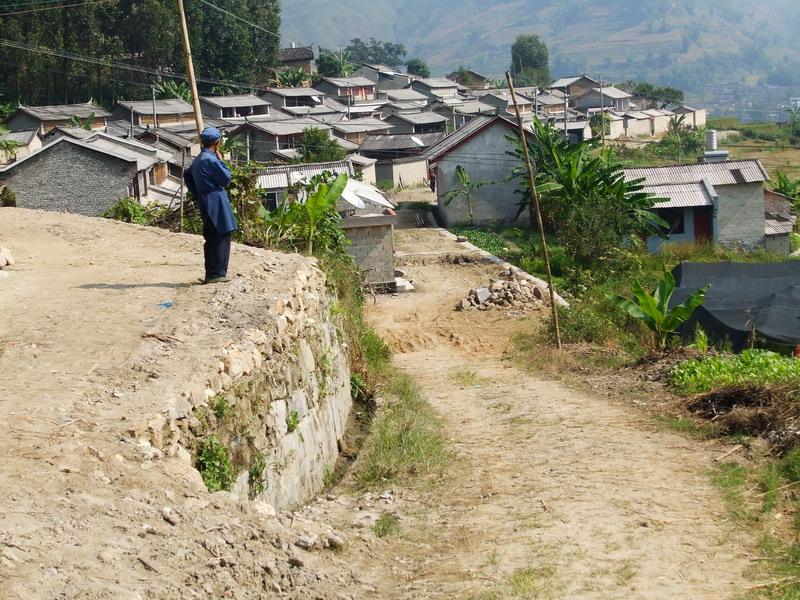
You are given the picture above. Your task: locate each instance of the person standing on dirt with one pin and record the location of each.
(206, 178)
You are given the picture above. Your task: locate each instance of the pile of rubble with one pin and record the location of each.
(519, 293)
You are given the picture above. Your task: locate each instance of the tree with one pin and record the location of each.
(530, 60)
(333, 64)
(418, 67)
(316, 145)
(653, 309)
(375, 51)
(464, 190)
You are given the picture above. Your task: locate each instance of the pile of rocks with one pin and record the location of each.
(515, 292)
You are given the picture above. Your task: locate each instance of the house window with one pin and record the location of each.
(674, 219)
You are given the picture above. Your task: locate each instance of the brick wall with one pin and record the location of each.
(372, 246)
(740, 216)
(69, 178)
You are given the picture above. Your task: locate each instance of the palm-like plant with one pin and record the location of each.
(317, 207)
(653, 308)
(464, 190)
(7, 147)
(291, 78)
(787, 186)
(83, 123)
(170, 88)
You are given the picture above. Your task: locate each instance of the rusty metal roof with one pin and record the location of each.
(729, 172)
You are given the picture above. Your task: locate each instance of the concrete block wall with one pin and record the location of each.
(740, 216)
(69, 178)
(373, 249)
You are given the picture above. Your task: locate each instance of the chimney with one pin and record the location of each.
(294, 45)
(713, 153)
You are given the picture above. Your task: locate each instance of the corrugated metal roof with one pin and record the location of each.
(421, 118)
(278, 178)
(295, 92)
(778, 226)
(168, 106)
(292, 127)
(612, 92)
(406, 95)
(58, 112)
(717, 173)
(320, 109)
(361, 125)
(347, 82)
(568, 81)
(437, 82)
(680, 195)
(459, 135)
(235, 101)
(22, 137)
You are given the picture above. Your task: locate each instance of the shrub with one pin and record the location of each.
(292, 421)
(385, 185)
(754, 367)
(7, 198)
(127, 210)
(214, 464)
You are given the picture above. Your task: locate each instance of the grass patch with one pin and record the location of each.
(407, 437)
(487, 240)
(386, 525)
(467, 377)
(687, 426)
(751, 367)
(729, 478)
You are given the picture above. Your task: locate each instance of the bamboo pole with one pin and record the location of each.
(535, 209)
(187, 50)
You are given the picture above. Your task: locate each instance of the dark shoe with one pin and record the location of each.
(217, 280)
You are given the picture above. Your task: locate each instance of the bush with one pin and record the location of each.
(214, 464)
(127, 210)
(7, 198)
(385, 185)
(753, 367)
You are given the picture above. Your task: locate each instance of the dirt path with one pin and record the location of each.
(556, 493)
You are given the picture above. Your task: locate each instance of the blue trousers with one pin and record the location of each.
(216, 250)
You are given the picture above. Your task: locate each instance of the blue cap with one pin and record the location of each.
(209, 135)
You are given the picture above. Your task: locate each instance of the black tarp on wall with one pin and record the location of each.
(743, 297)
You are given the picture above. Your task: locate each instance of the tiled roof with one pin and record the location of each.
(295, 92)
(347, 82)
(728, 172)
(437, 82)
(168, 106)
(293, 54)
(400, 142)
(406, 95)
(23, 137)
(235, 101)
(421, 118)
(58, 112)
(460, 135)
(612, 92)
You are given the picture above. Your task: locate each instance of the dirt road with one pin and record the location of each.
(556, 493)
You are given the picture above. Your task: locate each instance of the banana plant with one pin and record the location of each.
(319, 203)
(464, 190)
(653, 308)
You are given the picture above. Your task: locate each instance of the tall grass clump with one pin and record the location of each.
(751, 367)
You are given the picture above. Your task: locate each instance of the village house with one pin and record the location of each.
(225, 107)
(161, 113)
(298, 58)
(405, 99)
(356, 131)
(573, 87)
(20, 144)
(694, 117)
(435, 88)
(44, 118)
(290, 97)
(260, 138)
(502, 102)
(720, 201)
(384, 77)
(602, 98)
(347, 89)
(480, 147)
(470, 79)
(387, 147)
(86, 176)
(780, 221)
(420, 122)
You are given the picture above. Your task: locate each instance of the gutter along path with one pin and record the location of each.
(555, 493)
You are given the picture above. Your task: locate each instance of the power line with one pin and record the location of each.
(238, 18)
(33, 10)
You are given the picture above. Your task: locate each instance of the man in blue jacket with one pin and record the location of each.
(206, 178)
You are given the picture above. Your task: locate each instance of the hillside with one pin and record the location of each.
(681, 43)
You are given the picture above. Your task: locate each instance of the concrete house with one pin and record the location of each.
(573, 87)
(357, 130)
(85, 176)
(347, 89)
(470, 79)
(23, 143)
(44, 118)
(386, 147)
(779, 222)
(225, 107)
(435, 88)
(720, 201)
(503, 103)
(384, 77)
(421, 122)
(298, 58)
(167, 112)
(480, 147)
(290, 97)
(606, 97)
(264, 137)
(405, 99)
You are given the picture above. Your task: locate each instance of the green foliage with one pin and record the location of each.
(7, 197)
(358, 388)
(83, 123)
(316, 145)
(246, 201)
(256, 475)
(653, 309)
(333, 64)
(374, 51)
(386, 525)
(127, 210)
(485, 240)
(7, 147)
(418, 67)
(292, 421)
(385, 185)
(291, 78)
(700, 342)
(220, 406)
(464, 190)
(214, 464)
(530, 60)
(787, 186)
(751, 367)
(584, 196)
(658, 96)
(169, 88)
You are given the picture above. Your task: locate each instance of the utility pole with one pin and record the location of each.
(535, 210)
(602, 115)
(155, 115)
(187, 50)
(566, 113)
(183, 168)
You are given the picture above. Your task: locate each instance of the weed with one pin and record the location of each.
(220, 406)
(358, 388)
(729, 479)
(684, 425)
(501, 407)
(467, 377)
(214, 464)
(256, 475)
(292, 421)
(529, 582)
(407, 437)
(770, 482)
(386, 525)
(329, 476)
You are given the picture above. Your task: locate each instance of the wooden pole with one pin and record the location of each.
(535, 209)
(187, 50)
(183, 189)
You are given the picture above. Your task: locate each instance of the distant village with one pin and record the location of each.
(396, 131)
